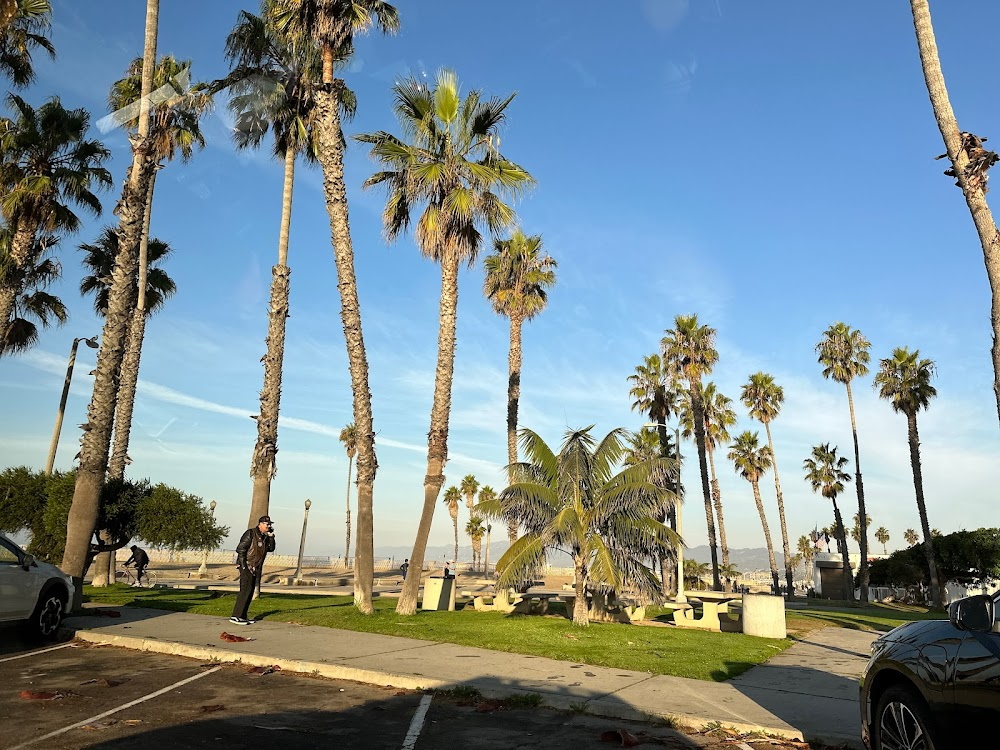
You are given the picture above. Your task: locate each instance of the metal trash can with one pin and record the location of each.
(439, 594)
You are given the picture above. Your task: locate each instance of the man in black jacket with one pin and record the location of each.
(250, 553)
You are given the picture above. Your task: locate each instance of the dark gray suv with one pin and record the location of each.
(935, 684)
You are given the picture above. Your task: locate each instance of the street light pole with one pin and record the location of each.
(92, 343)
(203, 570)
(302, 542)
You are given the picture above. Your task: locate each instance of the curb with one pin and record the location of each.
(594, 706)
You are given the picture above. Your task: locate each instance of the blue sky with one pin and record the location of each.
(768, 166)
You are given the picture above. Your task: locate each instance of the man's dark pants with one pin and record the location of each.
(247, 581)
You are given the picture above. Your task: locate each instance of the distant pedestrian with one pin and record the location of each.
(254, 545)
(404, 567)
(141, 560)
(447, 569)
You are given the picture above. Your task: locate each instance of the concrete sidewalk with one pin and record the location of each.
(808, 691)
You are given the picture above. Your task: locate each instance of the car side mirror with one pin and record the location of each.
(27, 561)
(974, 613)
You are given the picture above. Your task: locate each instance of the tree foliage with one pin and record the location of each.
(160, 515)
(969, 558)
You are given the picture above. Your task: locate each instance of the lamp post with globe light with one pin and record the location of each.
(92, 343)
(680, 598)
(302, 542)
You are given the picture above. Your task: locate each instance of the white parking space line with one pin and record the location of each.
(39, 651)
(116, 710)
(415, 725)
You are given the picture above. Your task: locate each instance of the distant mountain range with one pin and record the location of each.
(745, 560)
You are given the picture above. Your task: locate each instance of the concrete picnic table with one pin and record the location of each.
(713, 603)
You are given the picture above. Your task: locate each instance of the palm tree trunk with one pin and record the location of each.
(699, 436)
(454, 521)
(841, 533)
(581, 613)
(20, 258)
(974, 197)
(937, 596)
(347, 545)
(667, 568)
(437, 437)
(263, 465)
(513, 396)
(717, 502)
(767, 534)
(862, 512)
(331, 156)
(781, 513)
(100, 414)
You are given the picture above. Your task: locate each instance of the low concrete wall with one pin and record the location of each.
(764, 616)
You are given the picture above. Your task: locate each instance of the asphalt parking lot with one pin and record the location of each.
(76, 695)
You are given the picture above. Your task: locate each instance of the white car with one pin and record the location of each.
(31, 591)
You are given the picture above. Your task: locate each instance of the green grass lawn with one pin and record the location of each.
(875, 617)
(659, 650)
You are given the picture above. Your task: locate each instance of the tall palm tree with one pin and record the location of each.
(806, 549)
(518, 276)
(719, 417)
(175, 131)
(911, 537)
(349, 437)
(969, 162)
(487, 495)
(451, 165)
(575, 501)
(751, 461)
(856, 528)
(475, 529)
(469, 488)
(96, 442)
(654, 392)
(642, 447)
(825, 474)
(271, 84)
(332, 25)
(904, 380)
(882, 537)
(843, 352)
(689, 350)
(23, 24)
(763, 398)
(48, 167)
(32, 303)
(452, 496)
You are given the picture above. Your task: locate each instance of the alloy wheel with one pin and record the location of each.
(900, 729)
(50, 616)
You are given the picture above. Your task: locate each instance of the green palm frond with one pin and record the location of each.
(521, 562)
(99, 264)
(843, 352)
(904, 380)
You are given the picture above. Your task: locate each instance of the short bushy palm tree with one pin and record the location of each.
(23, 25)
(349, 437)
(48, 167)
(487, 495)
(904, 380)
(450, 165)
(763, 398)
(719, 417)
(751, 461)
(825, 474)
(695, 572)
(452, 497)
(518, 277)
(843, 352)
(33, 306)
(806, 549)
(580, 502)
(689, 352)
(332, 26)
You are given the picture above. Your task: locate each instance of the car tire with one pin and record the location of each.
(45, 620)
(902, 721)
